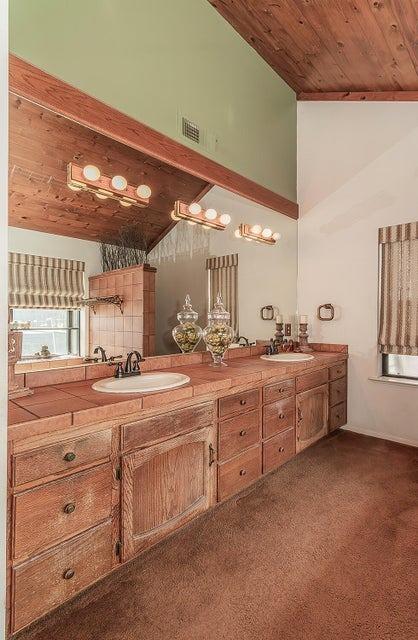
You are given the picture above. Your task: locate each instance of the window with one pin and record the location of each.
(398, 322)
(58, 329)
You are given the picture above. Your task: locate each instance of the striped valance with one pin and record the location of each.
(220, 262)
(398, 331)
(38, 282)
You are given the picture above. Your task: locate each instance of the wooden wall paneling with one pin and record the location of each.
(32, 83)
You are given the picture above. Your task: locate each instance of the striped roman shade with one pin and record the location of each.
(398, 331)
(223, 278)
(38, 282)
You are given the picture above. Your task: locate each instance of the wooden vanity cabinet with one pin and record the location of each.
(311, 416)
(166, 485)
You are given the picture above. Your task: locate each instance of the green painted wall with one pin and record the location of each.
(154, 59)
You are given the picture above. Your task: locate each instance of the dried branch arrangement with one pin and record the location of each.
(127, 250)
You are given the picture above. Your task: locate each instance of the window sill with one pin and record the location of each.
(408, 382)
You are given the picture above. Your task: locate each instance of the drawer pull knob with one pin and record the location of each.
(281, 416)
(68, 574)
(242, 432)
(282, 390)
(70, 456)
(338, 416)
(69, 508)
(243, 402)
(242, 472)
(281, 449)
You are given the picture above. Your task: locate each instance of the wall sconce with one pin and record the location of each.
(194, 214)
(89, 178)
(257, 233)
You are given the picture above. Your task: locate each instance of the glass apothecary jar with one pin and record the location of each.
(187, 334)
(218, 335)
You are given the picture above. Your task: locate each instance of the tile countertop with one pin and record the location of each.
(75, 404)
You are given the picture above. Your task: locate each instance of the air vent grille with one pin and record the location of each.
(190, 130)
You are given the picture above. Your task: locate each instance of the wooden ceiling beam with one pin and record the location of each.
(32, 83)
(360, 96)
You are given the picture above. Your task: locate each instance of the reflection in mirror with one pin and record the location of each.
(140, 254)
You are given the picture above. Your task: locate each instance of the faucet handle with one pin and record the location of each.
(119, 371)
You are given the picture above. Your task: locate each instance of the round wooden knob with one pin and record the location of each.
(243, 402)
(281, 416)
(242, 472)
(282, 390)
(70, 456)
(281, 449)
(242, 432)
(68, 574)
(69, 508)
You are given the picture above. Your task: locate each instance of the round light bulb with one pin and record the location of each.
(101, 196)
(119, 182)
(210, 214)
(276, 236)
(74, 188)
(91, 172)
(237, 233)
(225, 219)
(125, 204)
(248, 239)
(195, 208)
(266, 233)
(192, 222)
(256, 229)
(144, 191)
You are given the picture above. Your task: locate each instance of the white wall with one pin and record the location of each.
(357, 171)
(266, 274)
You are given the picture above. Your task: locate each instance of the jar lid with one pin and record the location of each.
(188, 314)
(219, 313)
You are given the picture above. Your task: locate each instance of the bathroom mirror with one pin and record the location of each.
(50, 219)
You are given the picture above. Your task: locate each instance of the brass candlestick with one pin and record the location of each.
(303, 338)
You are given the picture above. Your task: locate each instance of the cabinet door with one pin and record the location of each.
(312, 416)
(165, 486)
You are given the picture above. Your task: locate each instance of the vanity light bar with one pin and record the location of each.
(89, 178)
(257, 233)
(194, 214)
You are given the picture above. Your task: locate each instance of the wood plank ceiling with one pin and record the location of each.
(322, 46)
(41, 145)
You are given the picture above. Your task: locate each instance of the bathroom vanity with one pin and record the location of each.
(91, 488)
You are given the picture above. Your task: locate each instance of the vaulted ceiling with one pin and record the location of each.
(42, 143)
(332, 45)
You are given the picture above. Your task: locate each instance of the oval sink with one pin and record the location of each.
(145, 383)
(288, 357)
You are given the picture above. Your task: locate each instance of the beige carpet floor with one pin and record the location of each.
(325, 548)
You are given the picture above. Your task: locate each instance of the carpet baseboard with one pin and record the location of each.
(383, 436)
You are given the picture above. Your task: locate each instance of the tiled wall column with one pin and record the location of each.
(134, 329)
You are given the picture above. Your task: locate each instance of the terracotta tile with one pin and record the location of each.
(239, 352)
(137, 276)
(110, 325)
(137, 307)
(127, 279)
(127, 340)
(201, 388)
(118, 339)
(137, 324)
(137, 341)
(18, 415)
(167, 397)
(155, 363)
(186, 359)
(58, 407)
(42, 394)
(127, 323)
(98, 371)
(137, 292)
(118, 323)
(54, 377)
(39, 426)
(106, 412)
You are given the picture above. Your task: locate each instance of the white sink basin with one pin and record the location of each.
(288, 357)
(146, 382)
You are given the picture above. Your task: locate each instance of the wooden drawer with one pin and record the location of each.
(338, 370)
(311, 380)
(238, 402)
(278, 416)
(239, 472)
(143, 432)
(337, 416)
(49, 580)
(278, 390)
(278, 450)
(239, 433)
(62, 456)
(58, 510)
(337, 391)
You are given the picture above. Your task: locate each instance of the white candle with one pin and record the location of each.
(279, 318)
(303, 319)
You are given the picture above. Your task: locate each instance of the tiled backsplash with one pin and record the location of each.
(134, 329)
